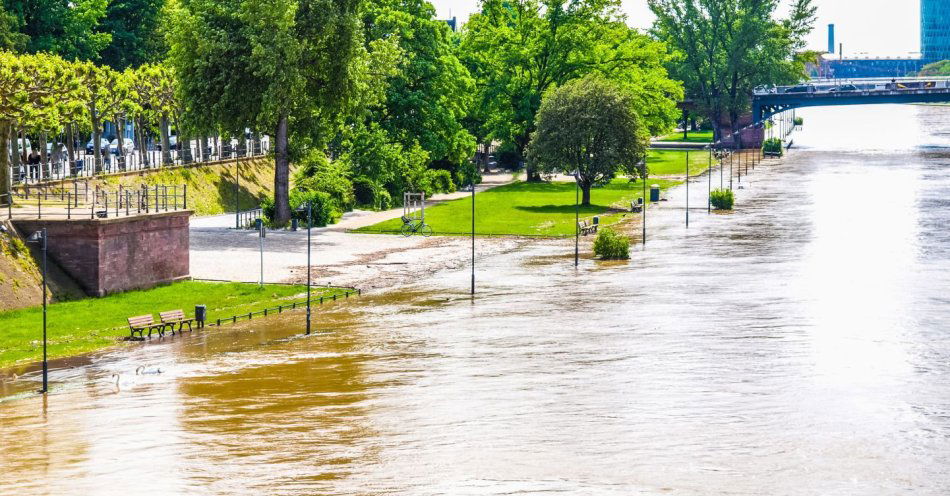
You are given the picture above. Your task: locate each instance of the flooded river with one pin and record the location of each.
(800, 345)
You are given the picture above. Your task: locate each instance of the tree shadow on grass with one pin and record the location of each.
(563, 209)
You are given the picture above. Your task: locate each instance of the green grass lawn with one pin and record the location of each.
(522, 208)
(673, 162)
(77, 327)
(694, 137)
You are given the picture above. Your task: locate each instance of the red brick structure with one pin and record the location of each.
(113, 255)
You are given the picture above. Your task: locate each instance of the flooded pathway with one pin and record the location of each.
(800, 345)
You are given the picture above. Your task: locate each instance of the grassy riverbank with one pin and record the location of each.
(692, 137)
(673, 162)
(532, 209)
(78, 327)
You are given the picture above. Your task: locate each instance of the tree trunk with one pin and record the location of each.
(5, 176)
(585, 194)
(96, 138)
(166, 144)
(71, 143)
(281, 174)
(120, 135)
(140, 133)
(15, 147)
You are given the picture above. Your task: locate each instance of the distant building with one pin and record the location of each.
(453, 23)
(934, 30)
(831, 38)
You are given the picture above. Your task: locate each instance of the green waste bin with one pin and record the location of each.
(654, 192)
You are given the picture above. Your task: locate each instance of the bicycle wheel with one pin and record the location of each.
(406, 230)
(426, 230)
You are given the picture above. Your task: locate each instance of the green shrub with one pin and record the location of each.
(317, 173)
(722, 199)
(322, 203)
(385, 200)
(467, 174)
(324, 211)
(440, 181)
(610, 245)
(773, 145)
(365, 192)
(799, 121)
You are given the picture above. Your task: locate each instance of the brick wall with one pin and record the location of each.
(112, 255)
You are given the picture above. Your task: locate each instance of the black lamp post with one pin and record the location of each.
(40, 237)
(309, 208)
(474, 172)
(577, 218)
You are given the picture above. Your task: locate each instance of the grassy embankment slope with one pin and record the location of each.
(82, 326)
(211, 187)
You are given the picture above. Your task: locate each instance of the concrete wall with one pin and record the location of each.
(112, 255)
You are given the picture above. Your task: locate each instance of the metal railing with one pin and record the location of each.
(109, 163)
(247, 219)
(75, 202)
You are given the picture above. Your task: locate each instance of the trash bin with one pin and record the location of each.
(294, 224)
(596, 221)
(201, 315)
(654, 192)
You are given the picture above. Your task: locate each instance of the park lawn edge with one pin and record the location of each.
(608, 217)
(19, 353)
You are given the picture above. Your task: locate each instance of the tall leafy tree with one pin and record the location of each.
(10, 36)
(725, 48)
(589, 127)
(283, 66)
(134, 28)
(430, 94)
(519, 49)
(69, 28)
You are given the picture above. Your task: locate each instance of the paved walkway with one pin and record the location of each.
(368, 261)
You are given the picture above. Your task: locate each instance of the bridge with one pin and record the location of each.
(767, 102)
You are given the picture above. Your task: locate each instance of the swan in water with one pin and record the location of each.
(141, 370)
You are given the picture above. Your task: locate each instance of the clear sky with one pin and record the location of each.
(876, 27)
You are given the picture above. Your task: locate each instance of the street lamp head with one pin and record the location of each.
(36, 237)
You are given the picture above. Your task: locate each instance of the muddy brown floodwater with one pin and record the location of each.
(800, 345)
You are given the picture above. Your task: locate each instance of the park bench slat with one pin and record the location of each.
(173, 317)
(140, 323)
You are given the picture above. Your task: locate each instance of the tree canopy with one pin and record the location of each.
(589, 127)
(69, 28)
(518, 49)
(725, 48)
(282, 66)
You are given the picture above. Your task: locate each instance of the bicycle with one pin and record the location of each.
(410, 227)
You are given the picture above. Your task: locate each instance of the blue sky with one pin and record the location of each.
(877, 27)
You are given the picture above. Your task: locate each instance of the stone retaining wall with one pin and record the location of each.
(113, 255)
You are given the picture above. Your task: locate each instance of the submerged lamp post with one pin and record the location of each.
(473, 227)
(40, 237)
(309, 210)
(577, 217)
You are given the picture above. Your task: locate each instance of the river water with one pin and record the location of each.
(800, 345)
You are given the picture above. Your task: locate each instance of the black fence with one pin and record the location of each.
(72, 201)
(59, 167)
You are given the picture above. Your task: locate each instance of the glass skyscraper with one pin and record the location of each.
(935, 30)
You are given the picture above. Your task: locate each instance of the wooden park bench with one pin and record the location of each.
(175, 317)
(143, 322)
(586, 228)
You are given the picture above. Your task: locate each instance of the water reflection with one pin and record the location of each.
(797, 346)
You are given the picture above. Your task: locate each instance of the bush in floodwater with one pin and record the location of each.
(799, 121)
(722, 199)
(772, 146)
(610, 245)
